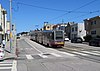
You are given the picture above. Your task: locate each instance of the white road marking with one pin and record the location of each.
(29, 57)
(90, 53)
(5, 64)
(3, 68)
(34, 47)
(69, 54)
(96, 52)
(80, 53)
(43, 56)
(56, 55)
(14, 67)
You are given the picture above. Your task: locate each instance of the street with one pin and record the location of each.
(35, 57)
(49, 35)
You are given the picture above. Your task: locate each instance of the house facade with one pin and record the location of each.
(92, 26)
(47, 26)
(3, 24)
(77, 30)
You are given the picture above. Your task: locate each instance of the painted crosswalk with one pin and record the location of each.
(29, 57)
(8, 66)
(63, 54)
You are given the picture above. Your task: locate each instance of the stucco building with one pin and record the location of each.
(77, 30)
(92, 26)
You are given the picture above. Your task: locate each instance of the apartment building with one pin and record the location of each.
(92, 26)
(77, 30)
(3, 19)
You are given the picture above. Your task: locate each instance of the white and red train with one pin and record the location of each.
(51, 38)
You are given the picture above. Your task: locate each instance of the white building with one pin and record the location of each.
(78, 30)
(3, 20)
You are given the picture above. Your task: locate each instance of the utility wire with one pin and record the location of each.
(40, 7)
(67, 12)
(85, 14)
(75, 9)
(17, 9)
(49, 8)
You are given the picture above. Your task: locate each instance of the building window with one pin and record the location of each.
(75, 28)
(72, 29)
(93, 32)
(94, 22)
(48, 27)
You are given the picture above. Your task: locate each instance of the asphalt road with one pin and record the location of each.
(35, 57)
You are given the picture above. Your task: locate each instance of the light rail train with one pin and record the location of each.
(51, 38)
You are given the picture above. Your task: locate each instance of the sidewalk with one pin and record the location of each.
(8, 54)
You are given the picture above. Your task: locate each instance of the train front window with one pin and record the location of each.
(59, 35)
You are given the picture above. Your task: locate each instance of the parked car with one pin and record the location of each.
(18, 37)
(1, 53)
(77, 40)
(94, 42)
(66, 39)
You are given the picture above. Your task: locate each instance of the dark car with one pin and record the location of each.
(18, 37)
(94, 42)
(77, 40)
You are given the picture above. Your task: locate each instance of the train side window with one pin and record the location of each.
(53, 35)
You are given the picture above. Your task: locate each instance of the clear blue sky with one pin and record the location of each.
(29, 13)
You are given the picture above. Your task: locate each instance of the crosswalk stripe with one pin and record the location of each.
(90, 53)
(14, 67)
(29, 57)
(2, 68)
(5, 64)
(80, 53)
(56, 55)
(43, 56)
(69, 54)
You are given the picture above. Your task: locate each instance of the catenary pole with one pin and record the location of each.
(10, 25)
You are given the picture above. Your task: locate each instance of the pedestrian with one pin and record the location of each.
(3, 42)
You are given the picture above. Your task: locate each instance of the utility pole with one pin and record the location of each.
(10, 25)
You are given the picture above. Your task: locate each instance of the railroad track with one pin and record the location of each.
(88, 54)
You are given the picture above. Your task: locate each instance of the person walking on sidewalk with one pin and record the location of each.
(3, 43)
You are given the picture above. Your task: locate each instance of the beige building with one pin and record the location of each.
(48, 26)
(92, 26)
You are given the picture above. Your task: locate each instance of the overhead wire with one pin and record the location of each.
(49, 8)
(84, 14)
(75, 9)
(66, 12)
(17, 9)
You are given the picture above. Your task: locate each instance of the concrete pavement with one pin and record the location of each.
(35, 62)
(9, 54)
